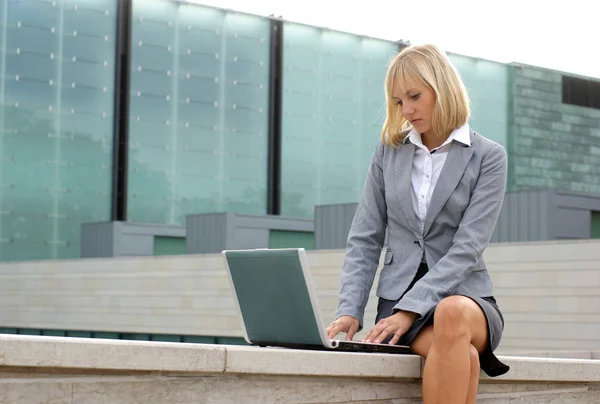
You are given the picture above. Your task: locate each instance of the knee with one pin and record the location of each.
(450, 320)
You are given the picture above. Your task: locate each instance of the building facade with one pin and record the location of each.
(148, 111)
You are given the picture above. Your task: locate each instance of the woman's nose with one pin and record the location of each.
(407, 110)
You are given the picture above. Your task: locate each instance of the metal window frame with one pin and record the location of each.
(121, 111)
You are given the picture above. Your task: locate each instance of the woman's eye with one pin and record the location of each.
(399, 103)
(415, 97)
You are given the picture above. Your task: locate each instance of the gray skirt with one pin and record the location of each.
(489, 363)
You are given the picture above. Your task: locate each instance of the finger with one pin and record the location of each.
(369, 334)
(382, 335)
(352, 331)
(385, 332)
(333, 331)
(375, 331)
(336, 329)
(396, 337)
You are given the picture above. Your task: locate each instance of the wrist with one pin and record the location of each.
(409, 314)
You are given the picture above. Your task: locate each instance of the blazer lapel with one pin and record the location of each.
(454, 167)
(403, 169)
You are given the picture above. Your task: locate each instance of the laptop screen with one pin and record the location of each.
(273, 296)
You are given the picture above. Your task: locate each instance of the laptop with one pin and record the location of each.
(277, 303)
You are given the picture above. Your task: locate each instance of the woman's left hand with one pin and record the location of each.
(395, 325)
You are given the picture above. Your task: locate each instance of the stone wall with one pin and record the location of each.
(551, 144)
(84, 371)
(548, 292)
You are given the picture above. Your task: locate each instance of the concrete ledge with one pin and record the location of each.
(99, 354)
(567, 354)
(274, 361)
(72, 370)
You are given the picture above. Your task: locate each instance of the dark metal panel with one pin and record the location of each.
(332, 225)
(207, 233)
(536, 203)
(97, 240)
(165, 230)
(275, 107)
(121, 112)
(513, 221)
(251, 238)
(578, 200)
(274, 223)
(547, 212)
(573, 223)
(524, 215)
(115, 239)
(135, 245)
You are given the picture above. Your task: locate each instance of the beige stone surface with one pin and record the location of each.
(60, 352)
(227, 389)
(551, 369)
(35, 391)
(564, 354)
(147, 390)
(318, 363)
(19, 351)
(57, 370)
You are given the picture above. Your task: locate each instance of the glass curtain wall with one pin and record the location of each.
(333, 109)
(56, 123)
(198, 126)
(487, 84)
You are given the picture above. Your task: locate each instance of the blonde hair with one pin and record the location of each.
(425, 65)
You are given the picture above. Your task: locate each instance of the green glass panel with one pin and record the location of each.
(169, 245)
(165, 338)
(192, 339)
(291, 239)
(79, 334)
(487, 83)
(595, 224)
(333, 105)
(231, 341)
(106, 335)
(199, 112)
(56, 124)
(54, 333)
(30, 331)
(137, 337)
(8, 331)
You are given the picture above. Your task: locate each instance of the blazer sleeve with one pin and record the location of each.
(365, 241)
(470, 240)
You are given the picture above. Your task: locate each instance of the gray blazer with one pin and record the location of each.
(459, 223)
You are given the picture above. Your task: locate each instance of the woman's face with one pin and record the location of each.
(417, 104)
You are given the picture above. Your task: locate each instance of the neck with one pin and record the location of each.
(431, 140)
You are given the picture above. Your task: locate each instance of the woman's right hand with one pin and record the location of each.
(347, 324)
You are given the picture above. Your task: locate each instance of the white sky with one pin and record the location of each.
(557, 34)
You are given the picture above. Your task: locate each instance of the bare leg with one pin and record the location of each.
(451, 372)
(421, 347)
(475, 370)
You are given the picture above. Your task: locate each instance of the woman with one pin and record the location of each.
(436, 187)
